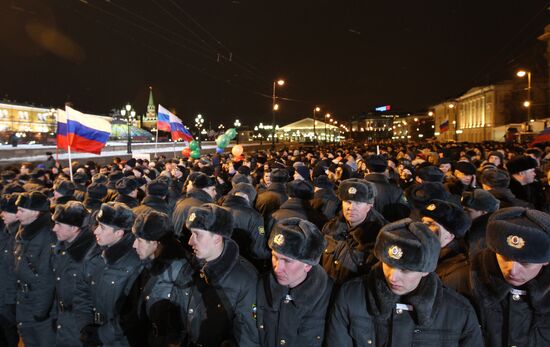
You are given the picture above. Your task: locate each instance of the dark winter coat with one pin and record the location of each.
(219, 301)
(80, 192)
(151, 202)
(453, 265)
(532, 193)
(293, 316)
(299, 208)
(248, 229)
(270, 200)
(8, 286)
(128, 200)
(68, 265)
(389, 199)
(325, 201)
(349, 251)
(34, 244)
(507, 198)
(100, 300)
(475, 237)
(195, 197)
(504, 320)
(365, 314)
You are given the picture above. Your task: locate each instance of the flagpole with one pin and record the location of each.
(174, 149)
(70, 162)
(157, 141)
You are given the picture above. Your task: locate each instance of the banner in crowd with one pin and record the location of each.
(82, 132)
(444, 126)
(167, 121)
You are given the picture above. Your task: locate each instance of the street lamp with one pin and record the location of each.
(237, 124)
(274, 108)
(315, 110)
(527, 104)
(326, 116)
(199, 121)
(129, 113)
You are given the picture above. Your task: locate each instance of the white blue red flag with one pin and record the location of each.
(167, 121)
(83, 132)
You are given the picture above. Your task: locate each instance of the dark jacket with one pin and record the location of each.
(34, 244)
(8, 286)
(128, 200)
(100, 301)
(151, 202)
(195, 197)
(349, 251)
(389, 199)
(325, 201)
(507, 198)
(270, 200)
(219, 301)
(80, 192)
(504, 320)
(475, 237)
(453, 265)
(68, 265)
(299, 208)
(293, 316)
(532, 193)
(248, 229)
(365, 314)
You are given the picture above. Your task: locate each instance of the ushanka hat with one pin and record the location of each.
(376, 163)
(520, 234)
(430, 173)
(521, 163)
(408, 245)
(211, 217)
(71, 213)
(452, 217)
(300, 189)
(480, 200)
(152, 226)
(465, 167)
(34, 201)
(495, 178)
(7, 203)
(116, 215)
(279, 175)
(297, 239)
(65, 188)
(97, 191)
(127, 185)
(356, 189)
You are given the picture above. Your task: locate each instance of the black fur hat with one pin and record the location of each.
(157, 188)
(298, 239)
(131, 162)
(8, 175)
(408, 245)
(356, 189)
(127, 185)
(376, 163)
(7, 203)
(322, 181)
(97, 191)
(71, 213)
(152, 225)
(211, 217)
(465, 167)
(520, 234)
(13, 187)
(203, 181)
(520, 163)
(113, 178)
(300, 189)
(65, 188)
(450, 216)
(99, 178)
(421, 194)
(117, 215)
(35, 201)
(80, 178)
(430, 173)
(279, 175)
(480, 200)
(247, 189)
(495, 178)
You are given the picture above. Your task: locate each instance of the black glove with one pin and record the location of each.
(89, 335)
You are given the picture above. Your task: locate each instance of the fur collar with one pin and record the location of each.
(118, 250)
(364, 235)
(325, 193)
(199, 194)
(377, 178)
(80, 246)
(128, 200)
(92, 204)
(29, 231)
(64, 199)
(490, 288)
(172, 249)
(305, 295)
(296, 204)
(216, 270)
(153, 201)
(234, 201)
(381, 300)
(277, 187)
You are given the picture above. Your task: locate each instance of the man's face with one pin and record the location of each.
(267, 178)
(465, 179)
(26, 216)
(528, 176)
(203, 243)
(145, 248)
(65, 232)
(211, 191)
(104, 171)
(106, 235)
(445, 237)
(517, 274)
(288, 272)
(24, 170)
(355, 212)
(494, 159)
(8, 217)
(445, 167)
(401, 282)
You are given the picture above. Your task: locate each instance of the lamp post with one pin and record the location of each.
(129, 113)
(315, 110)
(237, 124)
(275, 107)
(326, 116)
(527, 104)
(199, 121)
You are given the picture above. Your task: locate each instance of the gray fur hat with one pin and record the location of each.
(72, 213)
(298, 239)
(356, 189)
(152, 226)
(117, 215)
(211, 217)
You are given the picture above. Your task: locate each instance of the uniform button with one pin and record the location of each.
(219, 306)
(515, 297)
(93, 283)
(191, 311)
(283, 342)
(369, 341)
(286, 301)
(336, 262)
(20, 324)
(147, 297)
(261, 326)
(398, 311)
(169, 294)
(186, 293)
(417, 330)
(112, 282)
(318, 337)
(58, 278)
(59, 327)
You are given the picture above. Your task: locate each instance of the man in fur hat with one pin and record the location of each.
(127, 189)
(294, 297)
(220, 299)
(74, 240)
(509, 281)
(523, 183)
(274, 196)
(34, 244)
(157, 291)
(109, 274)
(351, 236)
(402, 301)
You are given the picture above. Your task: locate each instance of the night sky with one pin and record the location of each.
(346, 56)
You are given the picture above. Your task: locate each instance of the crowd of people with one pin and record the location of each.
(398, 244)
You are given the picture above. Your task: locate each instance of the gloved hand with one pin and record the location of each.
(89, 335)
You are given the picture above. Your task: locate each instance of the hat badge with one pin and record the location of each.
(192, 217)
(395, 252)
(515, 241)
(431, 207)
(352, 190)
(279, 239)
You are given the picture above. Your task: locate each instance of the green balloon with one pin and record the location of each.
(231, 133)
(222, 141)
(194, 145)
(196, 154)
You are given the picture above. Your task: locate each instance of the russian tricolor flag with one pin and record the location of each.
(444, 126)
(167, 121)
(82, 132)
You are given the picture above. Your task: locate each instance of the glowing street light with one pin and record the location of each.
(275, 107)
